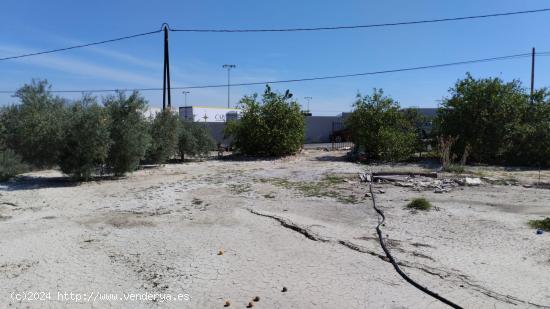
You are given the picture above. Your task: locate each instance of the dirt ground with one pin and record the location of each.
(296, 232)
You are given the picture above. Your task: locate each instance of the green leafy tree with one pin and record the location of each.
(417, 121)
(528, 142)
(482, 113)
(128, 131)
(380, 128)
(273, 127)
(87, 140)
(164, 134)
(34, 128)
(194, 140)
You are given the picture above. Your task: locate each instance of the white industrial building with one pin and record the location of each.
(318, 129)
(209, 113)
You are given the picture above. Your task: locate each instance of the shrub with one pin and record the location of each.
(543, 224)
(381, 129)
(194, 140)
(419, 203)
(528, 142)
(34, 128)
(128, 131)
(164, 137)
(86, 142)
(273, 127)
(480, 111)
(10, 164)
(497, 122)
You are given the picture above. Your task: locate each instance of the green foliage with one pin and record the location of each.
(194, 140)
(273, 127)
(417, 122)
(455, 168)
(128, 131)
(86, 142)
(481, 113)
(164, 134)
(381, 129)
(10, 164)
(419, 203)
(543, 224)
(34, 128)
(528, 142)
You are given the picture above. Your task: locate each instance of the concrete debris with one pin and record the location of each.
(404, 184)
(365, 177)
(422, 182)
(469, 181)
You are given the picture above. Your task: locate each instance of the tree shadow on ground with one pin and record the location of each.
(20, 183)
(333, 158)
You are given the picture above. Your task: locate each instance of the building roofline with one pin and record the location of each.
(216, 107)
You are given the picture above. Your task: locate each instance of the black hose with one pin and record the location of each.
(392, 260)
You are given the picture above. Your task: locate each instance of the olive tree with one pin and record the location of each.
(164, 137)
(34, 128)
(194, 140)
(86, 141)
(128, 131)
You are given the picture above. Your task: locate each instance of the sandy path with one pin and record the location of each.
(160, 231)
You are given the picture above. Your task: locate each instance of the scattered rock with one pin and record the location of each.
(250, 305)
(220, 252)
(284, 289)
(381, 191)
(256, 299)
(227, 303)
(367, 194)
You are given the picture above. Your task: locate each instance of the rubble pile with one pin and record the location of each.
(423, 183)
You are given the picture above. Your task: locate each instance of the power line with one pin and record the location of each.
(403, 23)
(282, 30)
(509, 57)
(80, 46)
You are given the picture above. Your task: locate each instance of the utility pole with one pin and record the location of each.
(229, 67)
(308, 99)
(185, 93)
(166, 78)
(532, 75)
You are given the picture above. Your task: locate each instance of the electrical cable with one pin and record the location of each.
(80, 46)
(394, 263)
(366, 26)
(516, 56)
(285, 30)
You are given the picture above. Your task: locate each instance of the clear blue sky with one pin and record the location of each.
(196, 58)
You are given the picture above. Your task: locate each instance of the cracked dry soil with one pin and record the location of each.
(227, 232)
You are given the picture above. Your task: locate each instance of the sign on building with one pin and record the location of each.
(209, 114)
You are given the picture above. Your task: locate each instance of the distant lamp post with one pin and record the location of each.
(185, 93)
(308, 99)
(229, 67)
